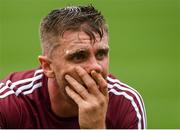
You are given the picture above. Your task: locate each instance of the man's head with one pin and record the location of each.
(71, 37)
(74, 18)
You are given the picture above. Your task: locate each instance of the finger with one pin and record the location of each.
(88, 80)
(73, 95)
(102, 83)
(77, 86)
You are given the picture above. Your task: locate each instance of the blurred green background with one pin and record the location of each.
(144, 42)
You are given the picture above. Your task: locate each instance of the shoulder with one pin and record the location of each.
(126, 99)
(17, 76)
(18, 82)
(116, 87)
(13, 89)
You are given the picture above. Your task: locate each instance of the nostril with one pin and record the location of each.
(98, 71)
(93, 65)
(96, 68)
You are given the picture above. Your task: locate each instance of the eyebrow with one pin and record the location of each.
(71, 52)
(106, 48)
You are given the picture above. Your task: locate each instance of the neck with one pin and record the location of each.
(61, 104)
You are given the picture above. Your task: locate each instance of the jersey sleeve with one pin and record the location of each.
(134, 115)
(10, 108)
(127, 110)
(16, 107)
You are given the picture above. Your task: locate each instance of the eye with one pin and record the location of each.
(79, 56)
(101, 54)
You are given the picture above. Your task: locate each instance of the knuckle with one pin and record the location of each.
(94, 106)
(104, 85)
(98, 104)
(92, 84)
(102, 102)
(82, 92)
(82, 74)
(87, 108)
(91, 107)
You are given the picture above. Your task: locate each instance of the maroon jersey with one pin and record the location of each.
(25, 103)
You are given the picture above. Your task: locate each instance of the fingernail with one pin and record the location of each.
(67, 76)
(93, 72)
(67, 87)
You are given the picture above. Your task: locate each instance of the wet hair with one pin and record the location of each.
(71, 18)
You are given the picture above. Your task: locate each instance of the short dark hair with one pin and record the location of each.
(75, 18)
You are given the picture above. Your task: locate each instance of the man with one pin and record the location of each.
(72, 88)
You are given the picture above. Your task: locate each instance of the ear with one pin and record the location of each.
(46, 66)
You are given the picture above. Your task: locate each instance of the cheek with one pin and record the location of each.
(60, 70)
(105, 71)
(106, 63)
(105, 66)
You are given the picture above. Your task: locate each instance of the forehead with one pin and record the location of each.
(81, 39)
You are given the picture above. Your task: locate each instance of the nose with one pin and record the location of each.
(93, 64)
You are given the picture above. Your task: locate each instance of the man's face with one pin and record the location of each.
(76, 49)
